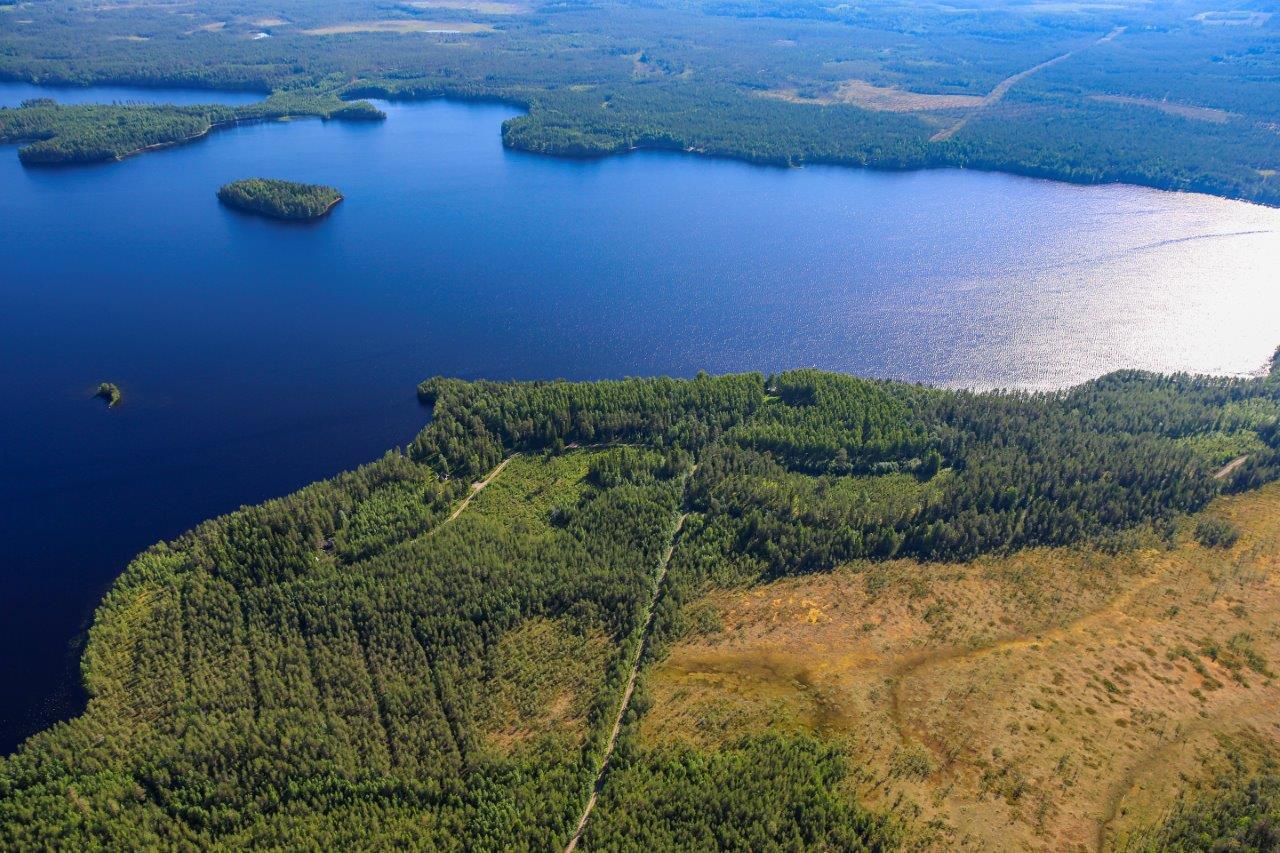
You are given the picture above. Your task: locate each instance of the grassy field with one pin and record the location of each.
(1045, 700)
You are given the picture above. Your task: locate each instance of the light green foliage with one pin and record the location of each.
(110, 392)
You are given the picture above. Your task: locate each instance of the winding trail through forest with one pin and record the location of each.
(625, 701)
(1002, 88)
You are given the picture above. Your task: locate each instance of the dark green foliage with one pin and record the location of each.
(253, 684)
(474, 421)
(771, 792)
(85, 133)
(279, 199)
(1216, 532)
(1236, 811)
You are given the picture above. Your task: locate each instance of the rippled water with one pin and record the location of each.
(256, 356)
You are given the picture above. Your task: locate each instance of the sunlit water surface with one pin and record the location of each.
(256, 356)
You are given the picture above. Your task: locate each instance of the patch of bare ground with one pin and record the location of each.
(169, 6)
(1233, 18)
(479, 7)
(1230, 468)
(871, 97)
(1209, 114)
(1040, 701)
(401, 27)
(860, 93)
(542, 683)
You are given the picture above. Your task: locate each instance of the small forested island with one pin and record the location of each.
(280, 199)
(844, 613)
(110, 392)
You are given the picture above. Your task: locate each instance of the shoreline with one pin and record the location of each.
(373, 91)
(268, 215)
(85, 695)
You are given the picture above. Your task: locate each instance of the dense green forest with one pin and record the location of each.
(279, 199)
(399, 657)
(1167, 95)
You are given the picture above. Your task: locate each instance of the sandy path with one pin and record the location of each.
(1227, 470)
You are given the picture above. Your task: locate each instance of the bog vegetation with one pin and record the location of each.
(279, 199)
(395, 657)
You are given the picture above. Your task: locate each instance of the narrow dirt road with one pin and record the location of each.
(476, 488)
(630, 688)
(1002, 88)
(1230, 468)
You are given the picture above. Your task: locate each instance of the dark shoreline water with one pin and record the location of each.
(256, 356)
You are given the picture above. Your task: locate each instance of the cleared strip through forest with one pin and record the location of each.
(475, 490)
(630, 688)
(1002, 88)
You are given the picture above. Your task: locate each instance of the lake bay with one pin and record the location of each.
(257, 356)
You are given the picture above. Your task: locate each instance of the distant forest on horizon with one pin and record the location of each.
(1172, 95)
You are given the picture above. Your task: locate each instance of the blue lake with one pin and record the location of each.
(257, 356)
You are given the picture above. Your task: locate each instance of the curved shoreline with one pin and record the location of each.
(358, 91)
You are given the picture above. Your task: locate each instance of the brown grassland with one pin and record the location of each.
(881, 98)
(478, 7)
(1048, 700)
(399, 26)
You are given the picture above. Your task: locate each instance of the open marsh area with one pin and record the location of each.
(1039, 701)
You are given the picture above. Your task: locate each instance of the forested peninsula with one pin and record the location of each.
(432, 650)
(87, 133)
(278, 199)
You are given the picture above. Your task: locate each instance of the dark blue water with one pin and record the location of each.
(13, 94)
(257, 356)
